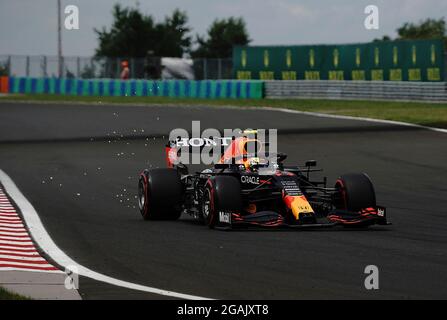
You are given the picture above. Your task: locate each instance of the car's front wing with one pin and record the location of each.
(274, 220)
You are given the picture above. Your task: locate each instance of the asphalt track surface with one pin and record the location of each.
(78, 165)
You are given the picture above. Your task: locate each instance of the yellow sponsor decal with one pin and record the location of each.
(266, 75)
(300, 205)
(433, 74)
(289, 58)
(377, 75)
(376, 56)
(433, 54)
(312, 75)
(336, 55)
(396, 74)
(414, 74)
(336, 75)
(311, 58)
(243, 75)
(414, 54)
(289, 75)
(358, 60)
(266, 58)
(395, 55)
(244, 58)
(358, 75)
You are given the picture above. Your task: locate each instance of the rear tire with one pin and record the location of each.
(160, 194)
(222, 193)
(356, 192)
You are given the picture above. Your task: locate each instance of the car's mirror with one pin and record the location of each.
(311, 163)
(281, 157)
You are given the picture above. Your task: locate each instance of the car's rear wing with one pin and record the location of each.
(225, 148)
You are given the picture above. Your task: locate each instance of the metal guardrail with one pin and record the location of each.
(374, 90)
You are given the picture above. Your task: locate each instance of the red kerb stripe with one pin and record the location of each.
(17, 245)
(15, 240)
(18, 250)
(23, 261)
(13, 254)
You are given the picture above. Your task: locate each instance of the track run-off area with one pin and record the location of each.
(78, 166)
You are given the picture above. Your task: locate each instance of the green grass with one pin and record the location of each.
(7, 295)
(428, 114)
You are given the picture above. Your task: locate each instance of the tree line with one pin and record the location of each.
(425, 29)
(135, 34)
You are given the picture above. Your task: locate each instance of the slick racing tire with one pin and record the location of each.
(160, 194)
(222, 193)
(355, 191)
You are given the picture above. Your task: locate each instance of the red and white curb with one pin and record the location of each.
(17, 250)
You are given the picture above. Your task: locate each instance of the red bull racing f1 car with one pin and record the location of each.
(243, 190)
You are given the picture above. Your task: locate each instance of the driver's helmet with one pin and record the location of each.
(255, 162)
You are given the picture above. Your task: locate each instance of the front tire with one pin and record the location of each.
(222, 193)
(355, 192)
(160, 194)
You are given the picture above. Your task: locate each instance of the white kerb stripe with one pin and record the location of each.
(20, 253)
(36, 258)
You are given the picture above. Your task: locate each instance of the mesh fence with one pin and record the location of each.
(89, 67)
(92, 67)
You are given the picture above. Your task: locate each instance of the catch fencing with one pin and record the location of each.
(110, 68)
(32, 74)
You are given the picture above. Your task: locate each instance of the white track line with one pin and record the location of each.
(44, 241)
(341, 117)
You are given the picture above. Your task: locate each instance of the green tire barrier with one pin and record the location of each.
(207, 89)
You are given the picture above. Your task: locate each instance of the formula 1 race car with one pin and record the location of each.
(243, 190)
